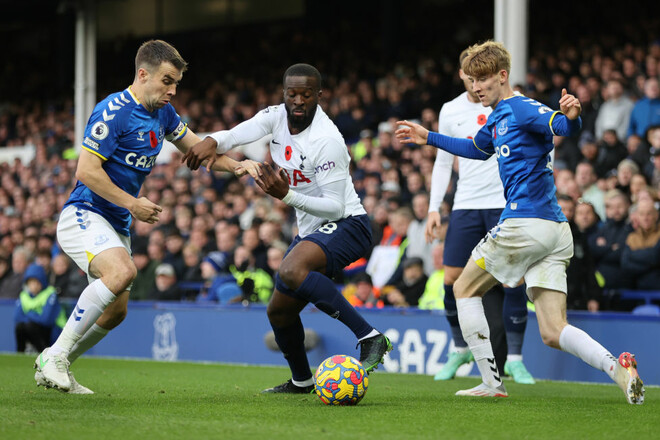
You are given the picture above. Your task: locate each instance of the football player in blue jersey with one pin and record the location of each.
(533, 239)
(122, 139)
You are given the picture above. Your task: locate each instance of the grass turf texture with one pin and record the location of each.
(145, 399)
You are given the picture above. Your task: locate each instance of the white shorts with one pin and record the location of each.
(84, 234)
(534, 249)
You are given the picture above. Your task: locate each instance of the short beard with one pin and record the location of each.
(300, 123)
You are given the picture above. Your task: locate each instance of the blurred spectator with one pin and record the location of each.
(583, 293)
(255, 283)
(174, 243)
(191, 259)
(624, 172)
(165, 288)
(384, 264)
(251, 241)
(641, 255)
(38, 317)
(609, 240)
(219, 285)
(434, 291)
(567, 152)
(586, 218)
(653, 172)
(275, 256)
(637, 184)
(68, 280)
(145, 281)
(13, 283)
(410, 288)
(360, 292)
(612, 149)
(592, 153)
(646, 111)
(614, 113)
(586, 178)
(589, 111)
(5, 271)
(417, 245)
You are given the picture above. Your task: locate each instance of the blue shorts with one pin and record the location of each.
(466, 229)
(343, 242)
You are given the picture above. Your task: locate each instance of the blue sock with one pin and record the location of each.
(515, 317)
(291, 341)
(452, 317)
(322, 292)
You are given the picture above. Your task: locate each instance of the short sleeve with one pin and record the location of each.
(175, 128)
(102, 131)
(533, 115)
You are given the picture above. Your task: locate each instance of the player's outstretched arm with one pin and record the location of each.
(90, 172)
(218, 162)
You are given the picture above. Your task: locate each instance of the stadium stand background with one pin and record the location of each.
(238, 55)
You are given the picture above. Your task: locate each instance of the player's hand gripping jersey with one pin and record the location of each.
(128, 138)
(519, 131)
(316, 162)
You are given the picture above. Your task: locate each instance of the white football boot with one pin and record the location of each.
(76, 388)
(55, 370)
(483, 390)
(628, 380)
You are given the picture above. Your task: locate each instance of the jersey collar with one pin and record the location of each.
(130, 92)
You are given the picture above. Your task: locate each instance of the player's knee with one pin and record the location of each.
(461, 290)
(292, 275)
(121, 276)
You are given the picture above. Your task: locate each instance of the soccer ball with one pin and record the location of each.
(341, 380)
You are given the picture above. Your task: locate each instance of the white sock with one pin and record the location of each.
(461, 350)
(88, 340)
(371, 334)
(91, 304)
(578, 343)
(476, 333)
(514, 357)
(303, 383)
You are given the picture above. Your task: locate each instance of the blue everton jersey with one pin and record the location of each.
(519, 131)
(128, 138)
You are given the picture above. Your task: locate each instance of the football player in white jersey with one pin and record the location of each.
(124, 135)
(477, 207)
(533, 239)
(333, 227)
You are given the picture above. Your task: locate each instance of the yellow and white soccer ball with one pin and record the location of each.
(341, 380)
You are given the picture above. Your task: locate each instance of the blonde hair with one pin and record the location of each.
(486, 59)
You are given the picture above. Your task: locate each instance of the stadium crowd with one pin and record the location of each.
(220, 239)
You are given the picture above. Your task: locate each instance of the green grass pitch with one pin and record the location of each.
(162, 400)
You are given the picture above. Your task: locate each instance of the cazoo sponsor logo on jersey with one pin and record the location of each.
(145, 162)
(503, 151)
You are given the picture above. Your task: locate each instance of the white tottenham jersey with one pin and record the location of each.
(315, 157)
(479, 184)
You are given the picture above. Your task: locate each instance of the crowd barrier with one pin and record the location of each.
(235, 334)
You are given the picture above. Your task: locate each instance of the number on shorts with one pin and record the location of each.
(328, 228)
